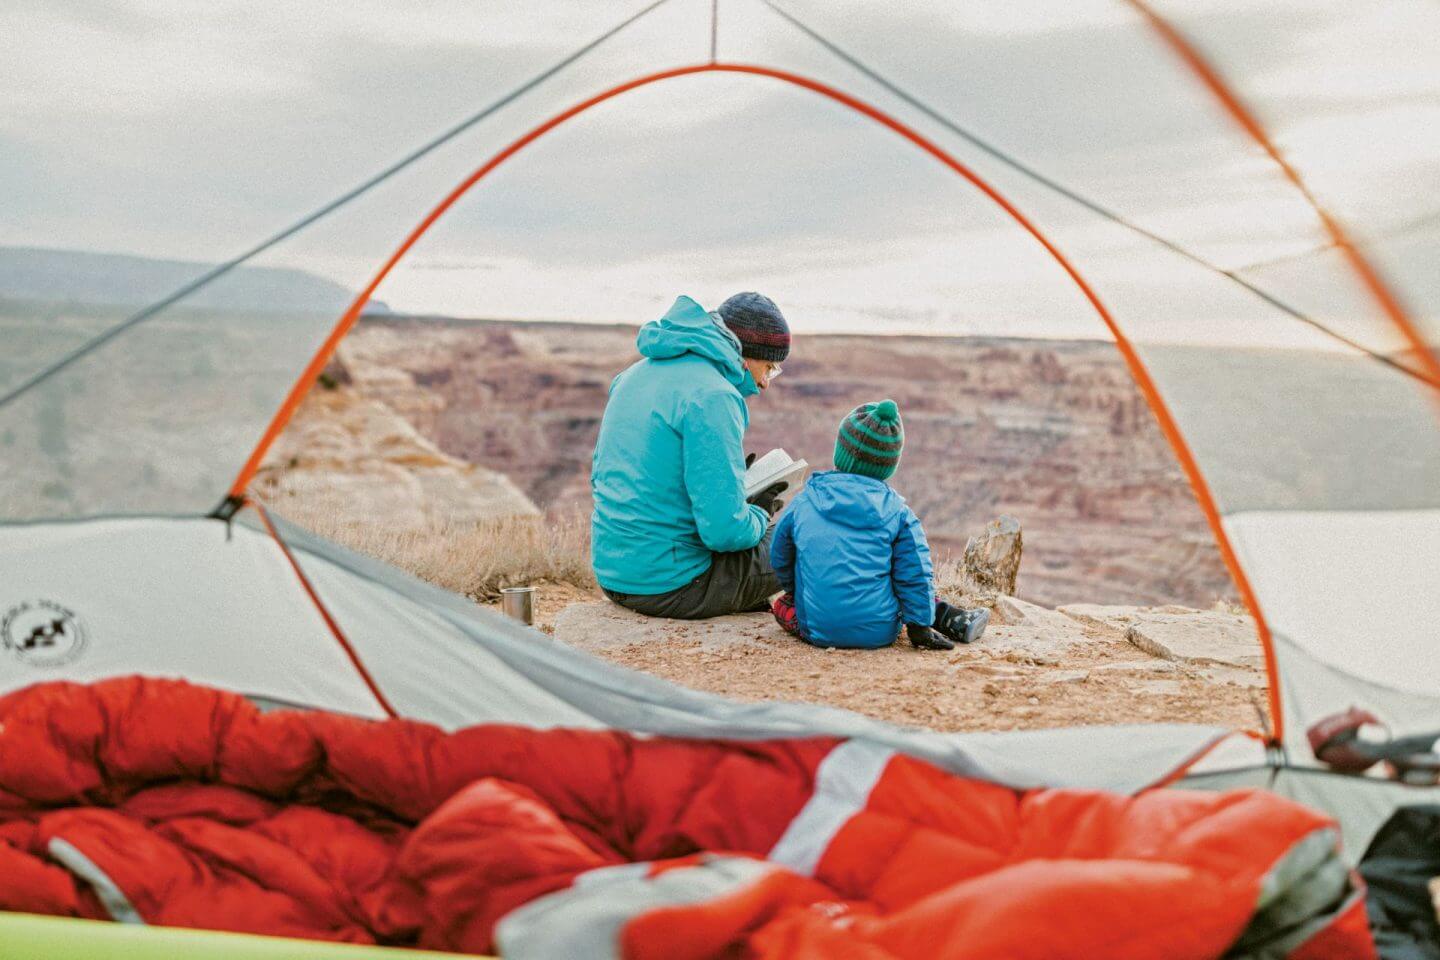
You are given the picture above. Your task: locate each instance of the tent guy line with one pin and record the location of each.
(221, 269)
(1402, 229)
(1093, 206)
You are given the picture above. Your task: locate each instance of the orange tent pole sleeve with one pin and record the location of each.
(1369, 276)
(1137, 368)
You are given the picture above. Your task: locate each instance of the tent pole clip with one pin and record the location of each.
(226, 511)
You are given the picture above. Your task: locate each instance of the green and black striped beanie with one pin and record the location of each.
(870, 439)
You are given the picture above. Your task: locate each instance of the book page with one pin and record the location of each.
(775, 467)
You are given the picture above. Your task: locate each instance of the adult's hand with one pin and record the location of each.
(769, 498)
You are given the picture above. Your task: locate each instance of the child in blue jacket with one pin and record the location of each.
(852, 556)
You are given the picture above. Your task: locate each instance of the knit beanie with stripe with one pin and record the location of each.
(757, 322)
(870, 440)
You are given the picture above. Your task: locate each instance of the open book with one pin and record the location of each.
(775, 467)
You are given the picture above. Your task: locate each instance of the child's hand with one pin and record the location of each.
(923, 638)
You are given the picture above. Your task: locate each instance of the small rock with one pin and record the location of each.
(989, 670)
(1033, 701)
(1014, 611)
(992, 559)
(1028, 658)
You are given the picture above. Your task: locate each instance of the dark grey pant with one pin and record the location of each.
(740, 582)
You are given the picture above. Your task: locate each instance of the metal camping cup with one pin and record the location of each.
(518, 603)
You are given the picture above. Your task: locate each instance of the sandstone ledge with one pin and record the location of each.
(1034, 668)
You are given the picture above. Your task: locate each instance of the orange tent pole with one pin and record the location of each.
(1136, 367)
(324, 611)
(1369, 276)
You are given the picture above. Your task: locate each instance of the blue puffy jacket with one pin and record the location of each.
(855, 557)
(667, 476)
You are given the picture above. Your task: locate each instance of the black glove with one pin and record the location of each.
(923, 638)
(769, 498)
(749, 459)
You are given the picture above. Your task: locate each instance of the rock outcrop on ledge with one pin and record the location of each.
(352, 458)
(992, 559)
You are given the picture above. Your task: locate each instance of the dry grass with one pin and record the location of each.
(954, 582)
(477, 559)
(474, 559)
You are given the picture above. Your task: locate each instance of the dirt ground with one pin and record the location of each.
(963, 690)
(1092, 675)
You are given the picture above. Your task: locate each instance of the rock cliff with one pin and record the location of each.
(1053, 433)
(347, 457)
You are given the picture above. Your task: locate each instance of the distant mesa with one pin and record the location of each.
(112, 279)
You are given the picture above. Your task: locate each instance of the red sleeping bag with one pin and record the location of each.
(157, 801)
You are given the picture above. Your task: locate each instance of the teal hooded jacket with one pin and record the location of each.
(667, 476)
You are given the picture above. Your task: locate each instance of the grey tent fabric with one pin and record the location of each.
(220, 605)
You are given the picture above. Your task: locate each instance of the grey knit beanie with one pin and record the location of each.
(757, 322)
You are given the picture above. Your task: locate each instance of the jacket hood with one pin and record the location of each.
(688, 328)
(861, 503)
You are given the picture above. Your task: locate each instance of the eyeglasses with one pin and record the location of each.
(773, 371)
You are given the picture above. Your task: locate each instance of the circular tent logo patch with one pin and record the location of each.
(42, 634)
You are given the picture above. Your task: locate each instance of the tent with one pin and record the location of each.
(1301, 404)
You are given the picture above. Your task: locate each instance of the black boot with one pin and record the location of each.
(923, 638)
(960, 625)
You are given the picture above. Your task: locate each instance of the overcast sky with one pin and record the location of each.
(166, 128)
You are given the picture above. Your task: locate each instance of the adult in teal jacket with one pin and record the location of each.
(672, 534)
